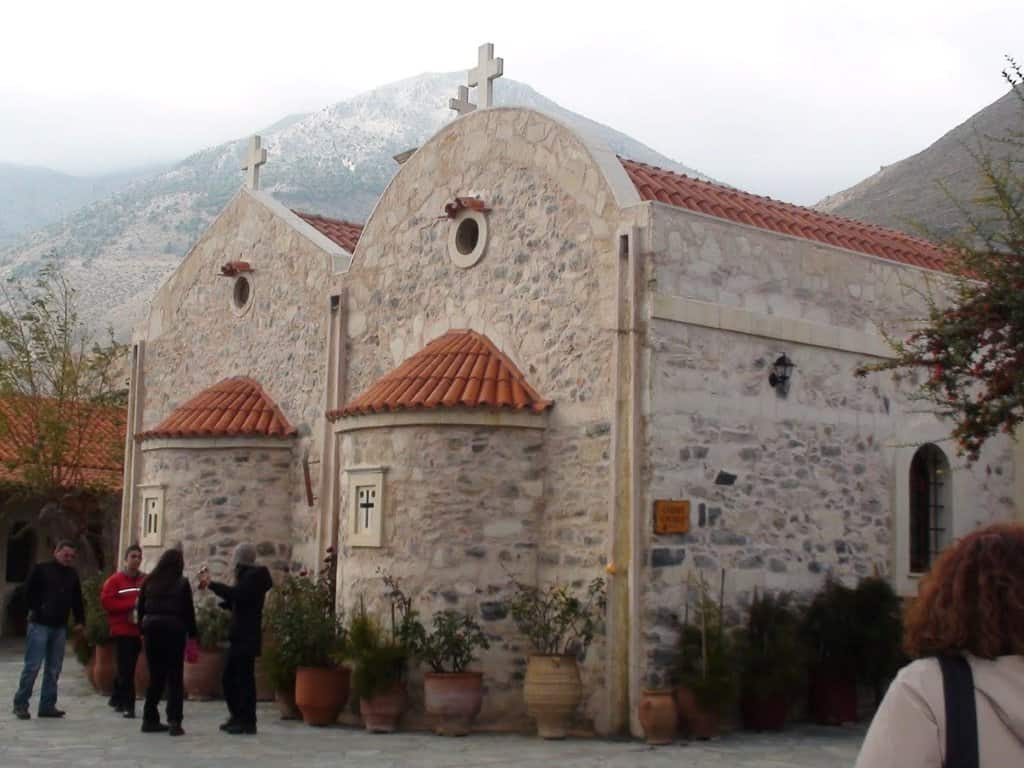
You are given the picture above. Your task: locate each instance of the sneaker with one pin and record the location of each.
(176, 730)
(128, 714)
(51, 713)
(247, 729)
(150, 726)
(22, 713)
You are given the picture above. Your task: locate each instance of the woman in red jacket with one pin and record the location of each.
(119, 595)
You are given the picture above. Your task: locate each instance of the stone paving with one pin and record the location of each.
(91, 735)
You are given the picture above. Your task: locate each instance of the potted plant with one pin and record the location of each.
(203, 676)
(704, 674)
(770, 661)
(93, 647)
(560, 626)
(658, 715)
(829, 632)
(452, 694)
(880, 633)
(380, 658)
(307, 646)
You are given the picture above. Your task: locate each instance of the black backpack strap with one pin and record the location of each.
(961, 715)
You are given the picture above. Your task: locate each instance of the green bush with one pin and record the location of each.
(97, 630)
(213, 623)
(555, 620)
(769, 654)
(705, 662)
(380, 659)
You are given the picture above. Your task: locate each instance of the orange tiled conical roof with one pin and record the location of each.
(462, 369)
(235, 407)
(735, 205)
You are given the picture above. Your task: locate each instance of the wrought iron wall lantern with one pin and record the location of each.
(782, 369)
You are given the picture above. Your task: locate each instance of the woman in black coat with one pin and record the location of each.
(167, 617)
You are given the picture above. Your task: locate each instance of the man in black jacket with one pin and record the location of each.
(52, 591)
(245, 601)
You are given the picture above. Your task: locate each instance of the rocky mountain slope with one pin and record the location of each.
(33, 197)
(909, 195)
(335, 162)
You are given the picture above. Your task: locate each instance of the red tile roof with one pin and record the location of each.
(344, 233)
(462, 369)
(95, 450)
(734, 205)
(236, 407)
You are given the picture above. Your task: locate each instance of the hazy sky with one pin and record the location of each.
(789, 98)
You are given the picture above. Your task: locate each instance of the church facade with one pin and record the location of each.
(530, 347)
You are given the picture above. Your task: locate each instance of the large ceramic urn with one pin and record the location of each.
(552, 691)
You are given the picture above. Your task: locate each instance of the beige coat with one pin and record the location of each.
(909, 729)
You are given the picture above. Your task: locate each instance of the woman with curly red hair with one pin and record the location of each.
(970, 607)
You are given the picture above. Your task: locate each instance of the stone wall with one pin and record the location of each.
(195, 338)
(216, 498)
(543, 293)
(462, 515)
(814, 470)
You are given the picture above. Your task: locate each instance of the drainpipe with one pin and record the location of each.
(136, 397)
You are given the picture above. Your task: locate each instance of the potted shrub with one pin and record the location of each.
(770, 661)
(378, 680)
(452, 694)
(880, 633)
(307, 647)
(203, 676)
(93, 647)
(829, 632)
(705, 674)
(560, 626)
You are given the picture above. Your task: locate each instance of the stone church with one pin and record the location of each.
(539, 359)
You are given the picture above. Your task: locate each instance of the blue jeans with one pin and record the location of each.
(42, 643)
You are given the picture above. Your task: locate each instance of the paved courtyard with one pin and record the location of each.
(91, 735)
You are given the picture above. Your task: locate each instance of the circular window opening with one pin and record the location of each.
(467, 236)
(241, 293)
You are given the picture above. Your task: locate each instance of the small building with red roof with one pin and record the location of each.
(540, 360)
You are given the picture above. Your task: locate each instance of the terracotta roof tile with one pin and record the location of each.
(462, 369)
(734, 205)
(236, 407)
(96, 446)
(344, 233)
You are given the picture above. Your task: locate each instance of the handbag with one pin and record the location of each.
(961, 714)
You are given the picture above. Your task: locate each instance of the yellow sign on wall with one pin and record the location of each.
(671, 516)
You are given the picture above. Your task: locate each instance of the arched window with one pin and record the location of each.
(931, 513)
(21, 550)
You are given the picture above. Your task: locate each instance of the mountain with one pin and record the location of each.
(33, 197)
(909, 195)
(335, 162)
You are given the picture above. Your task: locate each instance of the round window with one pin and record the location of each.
(467, 238)
(242, 292)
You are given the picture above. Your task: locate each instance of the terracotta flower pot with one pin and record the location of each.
(286, 704)
(321, 693)
(454, 699)
(658, 717)
(552, 691)
(203, 678)
(693, 719)
(264, 690)
(141, 675)
(764, 712)
(382, 711)
(833, 698)
(104, 668)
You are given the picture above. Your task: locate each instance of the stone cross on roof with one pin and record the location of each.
(256, 157)
(483, 75)
(461, 103)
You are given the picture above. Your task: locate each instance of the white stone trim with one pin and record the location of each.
(467, 260)
(371, 478)
(216, 443)
(241, 311)
(152, 535)
(341, 258)
(710, 315)
(445, 417)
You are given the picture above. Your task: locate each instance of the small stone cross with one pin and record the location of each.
(461, 103)
(257, 157)
(487, 70)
